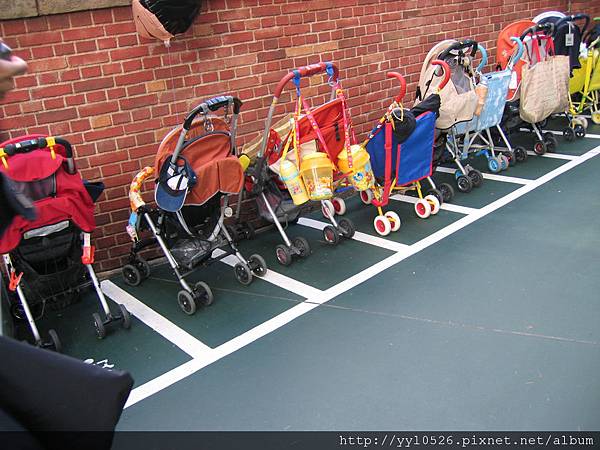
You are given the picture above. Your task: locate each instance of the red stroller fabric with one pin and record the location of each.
(71, 201)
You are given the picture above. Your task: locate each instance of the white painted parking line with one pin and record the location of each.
(358, 236)
(446, 206)
(187, 369)
(560, 133)
(164, 327)
(278, 279)
(491, 176)
(554, 155)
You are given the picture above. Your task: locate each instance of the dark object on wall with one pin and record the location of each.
(63, 402)
(162, 19)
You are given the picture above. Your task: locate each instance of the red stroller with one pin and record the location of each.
(46, 259)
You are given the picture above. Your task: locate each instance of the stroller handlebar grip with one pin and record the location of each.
(484, 57)
(548, 28)
(402, 81)
(212, 104)
(516, 56)
(459, 45)
(38, 144)
(306, 71)
(575, 18)
(446, 74)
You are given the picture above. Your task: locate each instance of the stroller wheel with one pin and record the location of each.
(366, 196)
(569, 134)
(540, 148)
(596, 117)
(203, 293)
(423, 208)
(434, 203)
(249, 231)
(331, 235)
(512, 159)
(55, 342)
(394, 220)
(494, 164)
(257, 264)
(464, 184)
(339, 205)
(476, 177)
(243, 274)
(504, 162)
(437, 194)
(131, 275)
(447, 192)
(382, 225)
(302, 246)
(186, 302)
(551, 141)
(346, 227)
(520, 153)
(581, 121)
(99, 325)
(579, 131)
(125, 317)
(283, 254)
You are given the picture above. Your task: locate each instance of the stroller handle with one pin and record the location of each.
(484, 57)
(575, 18)
(459, 45)
(548, 28)
(212, 104)
(446, 68)
(306, 71)
(402, 81)
(519, 52)
(40, 144)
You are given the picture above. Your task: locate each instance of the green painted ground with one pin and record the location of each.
(495, 327)
(489, 192)
(140, 350)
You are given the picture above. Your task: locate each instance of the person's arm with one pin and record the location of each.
(10, 66)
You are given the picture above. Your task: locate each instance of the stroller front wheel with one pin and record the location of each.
(283, 254)
(132, 275)
(243, 274)
(203, 293)
(258, 265)
(186, 302)
(464, 184)
(55, 342)
(447, 192)
(99, 326)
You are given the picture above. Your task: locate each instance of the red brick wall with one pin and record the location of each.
(114, 95)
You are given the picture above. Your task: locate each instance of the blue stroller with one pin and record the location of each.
(476, 134)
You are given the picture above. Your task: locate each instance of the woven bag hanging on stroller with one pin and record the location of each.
(567, 36)
(458, 102)
(196, 171)
(476, 135)
(539, 86)
(400, 147)
(584, 85)
(49, 260)
(300, 163)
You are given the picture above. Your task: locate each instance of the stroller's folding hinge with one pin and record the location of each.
(14, 280)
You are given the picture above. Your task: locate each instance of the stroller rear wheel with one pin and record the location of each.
(243, 274)
(346, 227)
(520, 153)
(331, 235)
(447, 192)
(551, 141)
(494, 164)
(99, 326)
(464, 184)
(283, 254)
(132, 275)
(203, 293)
(596, 117)
(258, 265)
(569, 134)
(186, 302)
(540, 148)
(579, 131)
(302, 246)
(54, 341)
(125, 317)
(437, 194)
(512, 159)
(476, 177)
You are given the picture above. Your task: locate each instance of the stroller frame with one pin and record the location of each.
(216, 246)
(87, 258)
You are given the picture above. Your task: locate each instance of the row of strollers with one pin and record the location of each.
(462, 111)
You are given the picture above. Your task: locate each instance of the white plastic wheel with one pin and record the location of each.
(434, 203)
(367, 196)
(382, 225)
(584, 122)
(327, 208)
(339, 205)
(596, 117)
(423, 208)
(394, 220)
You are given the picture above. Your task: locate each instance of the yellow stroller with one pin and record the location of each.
(584, 85)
